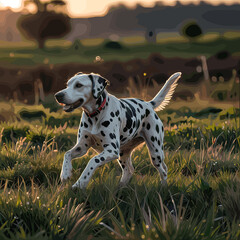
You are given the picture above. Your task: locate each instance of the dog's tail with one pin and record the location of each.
(161, 100)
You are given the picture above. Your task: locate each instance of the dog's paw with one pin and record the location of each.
(79, 185)
(164, 182)
(76, 186)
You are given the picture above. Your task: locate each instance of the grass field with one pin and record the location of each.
(201, 200)
(86, 50)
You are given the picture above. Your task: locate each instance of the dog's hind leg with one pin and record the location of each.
(127, 167)
(153, 134)
(157, 159)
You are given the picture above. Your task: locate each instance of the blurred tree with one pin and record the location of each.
(191, 30)
(45, 23)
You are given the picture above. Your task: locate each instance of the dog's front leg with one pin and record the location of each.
(104, 157)
(77, 151)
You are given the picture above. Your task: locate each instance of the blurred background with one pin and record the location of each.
(135, 44)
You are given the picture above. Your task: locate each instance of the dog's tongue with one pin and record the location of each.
(67, 108)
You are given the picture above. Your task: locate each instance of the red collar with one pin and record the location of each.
(93, 114)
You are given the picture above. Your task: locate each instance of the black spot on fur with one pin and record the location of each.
(113, 144)
(140, 105)
(158, 142)
(91, 77)
(153, 103)
(109, 150)
(105, 123)
(148, 126)
(101, 80)
(143, 124)
(86, 145)
(132, 108)
(162, 129)
(156, 116)
(103, 134)
(90, 121)
(123, 106)
(78, 149)
(81, 124)
(112, 135)
(117, 112)
(147, 112)
(129, 119)
(152, 139)
(157, 128)
(102, 159)
(86, 136)
(85, 125)
(124, 139)
(105, 145)
(121, 153)
(112, 114)
(133, 100)
(97, 160)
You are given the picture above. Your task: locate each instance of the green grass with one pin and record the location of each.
(200, 201)
(57, 52)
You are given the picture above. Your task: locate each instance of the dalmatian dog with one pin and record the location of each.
(112, 126)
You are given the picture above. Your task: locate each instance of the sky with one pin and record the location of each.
(89, 8)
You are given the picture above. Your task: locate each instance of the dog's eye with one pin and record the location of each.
(78, 85)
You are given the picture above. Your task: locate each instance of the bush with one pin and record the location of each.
(12, 133)
(32, 115)
(113, 45)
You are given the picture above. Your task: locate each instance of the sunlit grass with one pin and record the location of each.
(92, 42)
(232, 35)
(132, 40)
(200, 201)
(58, 43)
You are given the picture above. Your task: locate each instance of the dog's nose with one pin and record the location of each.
(59, 96)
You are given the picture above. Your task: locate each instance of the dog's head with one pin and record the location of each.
(80, 89)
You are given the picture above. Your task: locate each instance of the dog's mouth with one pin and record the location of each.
(71, 107)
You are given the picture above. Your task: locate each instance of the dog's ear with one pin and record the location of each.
(98, 84)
